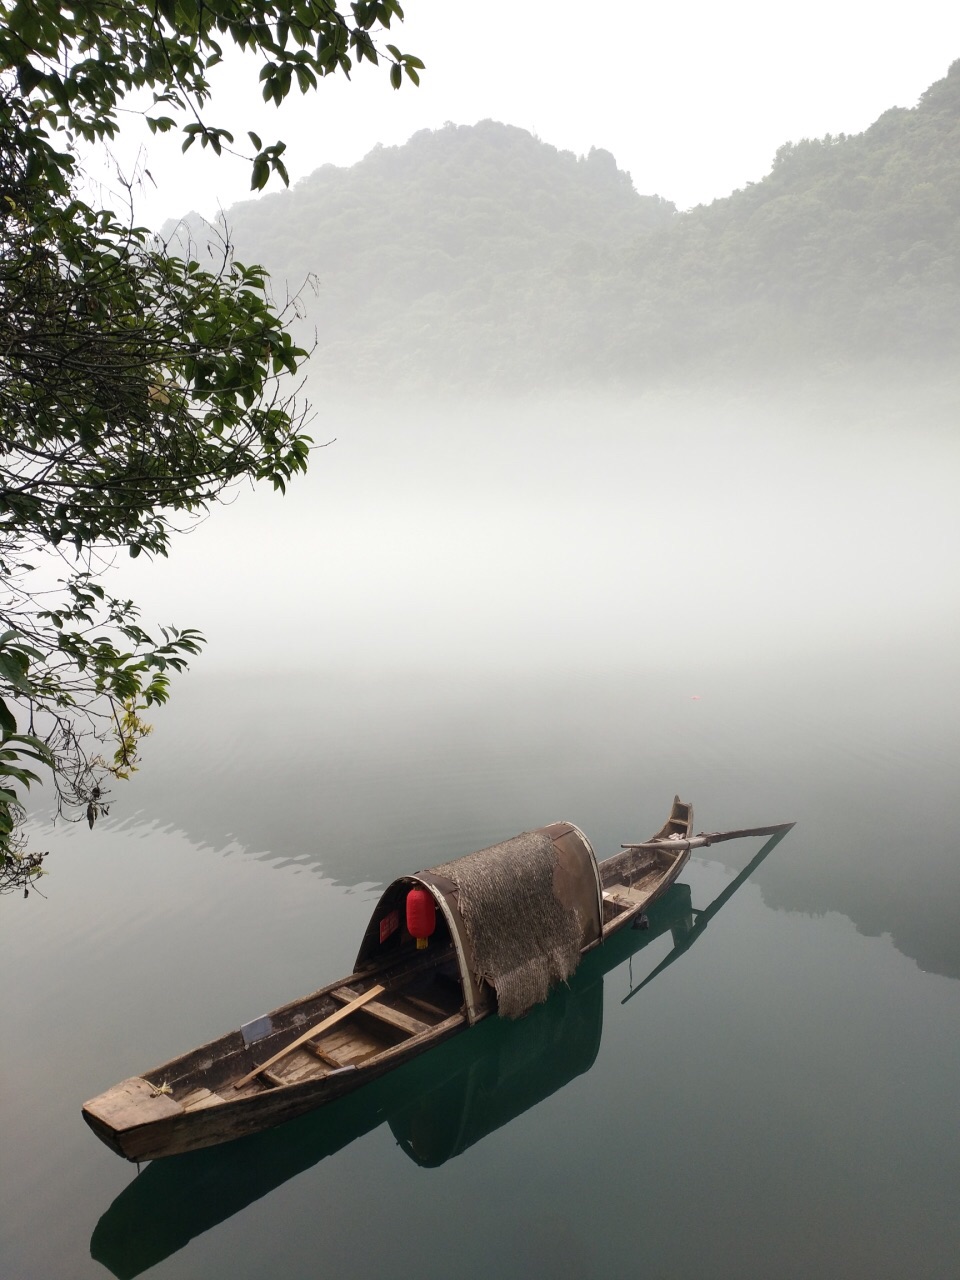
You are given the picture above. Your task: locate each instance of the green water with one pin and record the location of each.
(781, 1100)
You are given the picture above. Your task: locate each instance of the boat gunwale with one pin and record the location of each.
(208, 1122)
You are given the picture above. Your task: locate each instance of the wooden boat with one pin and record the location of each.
(437, 1106)
(491, 933)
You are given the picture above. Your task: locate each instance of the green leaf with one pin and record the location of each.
(24, 776)
(148, 379)
(28, 76)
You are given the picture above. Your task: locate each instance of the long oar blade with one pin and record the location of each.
(706, 915)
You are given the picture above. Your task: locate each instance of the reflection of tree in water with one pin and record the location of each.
(437, 1106)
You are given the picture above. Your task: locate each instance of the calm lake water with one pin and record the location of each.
(462, 626)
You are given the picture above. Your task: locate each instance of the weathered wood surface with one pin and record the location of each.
(631, 898)
(142, 1119)
(426, 1006)
(131, 1103)
(200, 1098)
(392, 1017)
(345, 1012)
(325, 1056)
(706, 838)
(632, 865)
(241, 1114)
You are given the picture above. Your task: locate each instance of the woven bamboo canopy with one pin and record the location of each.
(518, 914)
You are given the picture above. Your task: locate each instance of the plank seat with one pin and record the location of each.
(624, 895)
(426, 1006)
(392, 1017)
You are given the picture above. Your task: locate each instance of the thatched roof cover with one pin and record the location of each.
(529, 906)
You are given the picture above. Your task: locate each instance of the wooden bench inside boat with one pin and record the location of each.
(377, 1009)
(401, 997)
(379, 1024)
(624, 895)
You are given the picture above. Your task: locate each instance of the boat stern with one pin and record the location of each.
(124, 1115)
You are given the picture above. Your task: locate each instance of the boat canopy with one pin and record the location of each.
(517, 916)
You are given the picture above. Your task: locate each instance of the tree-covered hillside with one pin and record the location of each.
(428, 257)
(847, 251)
(482, 256)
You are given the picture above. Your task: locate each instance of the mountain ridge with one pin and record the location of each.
(478, 255)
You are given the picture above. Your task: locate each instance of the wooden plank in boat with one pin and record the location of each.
(426, 1006)
(303, 1066)
(625, 895)
(197, 1099)
(132, 1103)
(348, 1044)
(337, 1045)
(326, 1057)
(356, 1003)
(393, 1017)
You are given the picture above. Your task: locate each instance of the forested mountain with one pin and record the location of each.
(428, 257)
(847, 251)
(483, 256)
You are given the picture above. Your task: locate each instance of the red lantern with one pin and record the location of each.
(421, 916)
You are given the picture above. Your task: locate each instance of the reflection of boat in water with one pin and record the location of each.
(519, 1064)
(437, 1106)
(489, 933)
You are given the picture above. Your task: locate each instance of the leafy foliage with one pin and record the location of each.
(848, 252)
(136, 383)
(78, 63)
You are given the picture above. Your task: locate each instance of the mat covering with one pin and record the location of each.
(524, 940)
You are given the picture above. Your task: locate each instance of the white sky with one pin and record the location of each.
(693, 98)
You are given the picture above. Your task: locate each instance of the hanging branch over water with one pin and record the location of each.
(139, 380)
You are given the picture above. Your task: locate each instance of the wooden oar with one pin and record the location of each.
(706, 915)
(307, 1035)
(713, 837)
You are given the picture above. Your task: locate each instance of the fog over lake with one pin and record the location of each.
(693, 529)
(724, 587)
(469, 619)
(615, 497)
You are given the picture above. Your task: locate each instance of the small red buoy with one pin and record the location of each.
(421, 916)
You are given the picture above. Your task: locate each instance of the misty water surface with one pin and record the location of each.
(683, 526)
(468, 621)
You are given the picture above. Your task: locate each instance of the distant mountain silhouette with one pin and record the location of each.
(847, 251)
(481, 256)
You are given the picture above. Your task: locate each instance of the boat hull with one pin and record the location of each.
(139, 1122)
(399, 1002)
